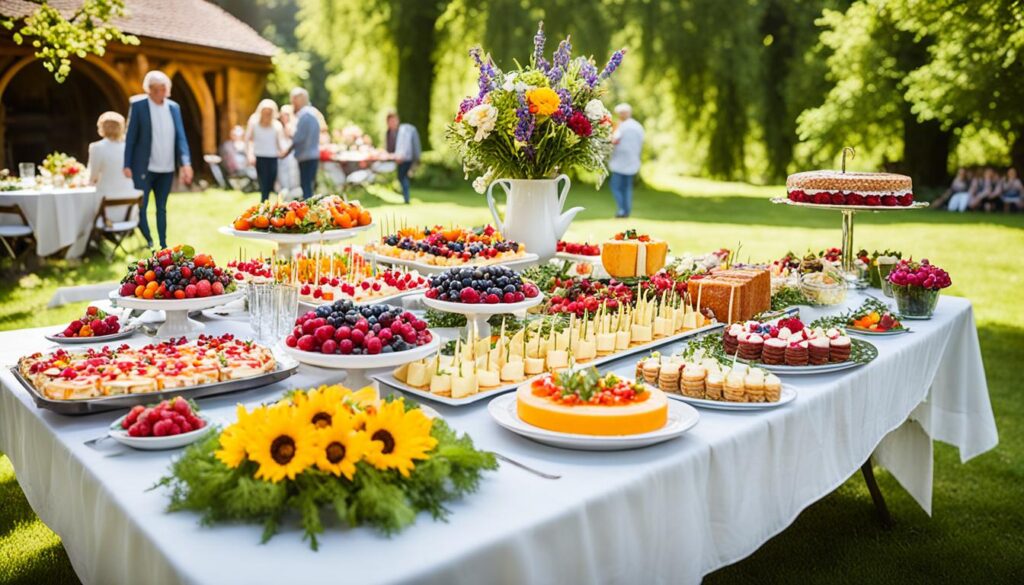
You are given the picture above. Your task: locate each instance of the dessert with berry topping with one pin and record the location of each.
(578, 249)
(787, 342)
(176, 273)
(346, 329)
(583, 295)
(176, 363)
(94, 323)
(483, 284)
(256, 270)
(587, 403)
(329, 212)
(456, 246)
(630, 254)
(384, 284)
(850, 189)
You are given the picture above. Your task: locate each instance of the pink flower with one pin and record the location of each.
(579, 124)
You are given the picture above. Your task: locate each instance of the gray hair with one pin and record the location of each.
(300, 93)
(157, 77)
(624, 108)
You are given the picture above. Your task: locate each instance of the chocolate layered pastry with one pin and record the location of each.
(797, 354)
(818, 351)
(774, 351)
(839, 349)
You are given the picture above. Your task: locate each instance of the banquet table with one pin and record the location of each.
(669, 513)
(59, 217)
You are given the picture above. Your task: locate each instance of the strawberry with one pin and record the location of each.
(888, 201)
(873, 200)
(822, 198)
(838, 199)
(906, 200)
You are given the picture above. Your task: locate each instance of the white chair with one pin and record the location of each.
(213, 161)
(334, 173)
(360, 177)
(116, 231)
(383, 167)
(15, 232)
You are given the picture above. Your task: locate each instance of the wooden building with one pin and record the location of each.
(218, 66)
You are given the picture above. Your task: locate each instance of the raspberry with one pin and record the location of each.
(838, 199)
(822, 198)
(888, 201)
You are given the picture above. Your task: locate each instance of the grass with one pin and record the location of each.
(975, 533)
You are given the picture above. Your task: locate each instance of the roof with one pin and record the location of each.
(192, 22)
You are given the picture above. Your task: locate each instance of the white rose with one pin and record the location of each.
(480, 185)
(483, 118)
(595, 110)
(510, 82)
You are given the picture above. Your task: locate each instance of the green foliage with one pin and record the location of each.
(386, 500)
(57, 38)
(290, 70)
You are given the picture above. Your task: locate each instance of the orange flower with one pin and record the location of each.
(543, 101)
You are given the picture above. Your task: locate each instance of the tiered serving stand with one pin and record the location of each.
(359, 367)
(288, 244)
(477, 314)
(848, 213)
(176, 321)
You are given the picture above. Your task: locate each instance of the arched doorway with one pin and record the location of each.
(41, 116)
(191, 117)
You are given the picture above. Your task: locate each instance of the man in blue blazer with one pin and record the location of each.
(154, 147)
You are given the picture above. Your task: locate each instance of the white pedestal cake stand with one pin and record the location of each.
(288, 243)
(358, 366)
(479, 313)
(848, 211)
(176, 321)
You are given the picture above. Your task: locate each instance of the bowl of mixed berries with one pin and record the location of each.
(482, 285)
(170, 424)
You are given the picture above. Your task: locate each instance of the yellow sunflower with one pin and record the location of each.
(339, 447)
(283, 445)
(233, 440)
(318, 407)
(398, 437)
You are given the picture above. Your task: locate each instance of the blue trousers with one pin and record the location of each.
(307, 176)
(160, 185)
(622, 190)
(266, 174)
(403, 178)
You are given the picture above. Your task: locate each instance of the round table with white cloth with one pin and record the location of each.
(59, 217)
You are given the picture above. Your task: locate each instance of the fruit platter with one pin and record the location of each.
(585, 410)
(114, 377)
(873, 317)
(319, 219)
(343, 335)
(94, 326)
(489, 365)
(176, 280)
(169, 424)
(431, 250)
(706, 383)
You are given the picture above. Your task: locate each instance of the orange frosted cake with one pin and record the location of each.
(584, 403)
(631, 254)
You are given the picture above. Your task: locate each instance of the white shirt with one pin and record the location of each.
(106, 161)
(266, 140)
(626, 152)
(161, 154)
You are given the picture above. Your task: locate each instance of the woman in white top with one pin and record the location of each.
(264, 138)
(106, 163)
(288, 167)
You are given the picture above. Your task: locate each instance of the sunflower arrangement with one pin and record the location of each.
(372, 462)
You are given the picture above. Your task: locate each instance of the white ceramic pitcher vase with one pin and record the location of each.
(533, 212)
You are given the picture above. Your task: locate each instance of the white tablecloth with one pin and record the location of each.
(59, 217)
(666, 514)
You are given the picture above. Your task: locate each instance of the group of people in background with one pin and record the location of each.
(982, 190)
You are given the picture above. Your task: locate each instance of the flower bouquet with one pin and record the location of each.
(535, 121)
(62, 168)
(916, 287)
(372, 462)
(524, 127)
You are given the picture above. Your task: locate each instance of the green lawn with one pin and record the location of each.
(976, 533)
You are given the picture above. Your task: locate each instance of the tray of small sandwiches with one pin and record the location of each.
(118, 377)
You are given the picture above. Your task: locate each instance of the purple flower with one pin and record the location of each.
(538, 48)
(588, 71)
(524, 129)
(613, 63)
(468, 104)
(564, 106)
(487, 72)
(561, 58)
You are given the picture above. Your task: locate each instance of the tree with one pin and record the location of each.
(57, 38)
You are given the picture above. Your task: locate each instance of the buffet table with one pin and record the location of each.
(59, 217)
(669, 513)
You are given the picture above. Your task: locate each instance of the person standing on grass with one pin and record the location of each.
(403, 141)
(628, 145)
(264, 140)
(154, 147)
(305, 140)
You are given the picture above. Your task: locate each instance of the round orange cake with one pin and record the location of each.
(643, 415)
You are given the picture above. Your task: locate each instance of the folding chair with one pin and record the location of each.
(114, 231)
(213, 161)
(15, 232)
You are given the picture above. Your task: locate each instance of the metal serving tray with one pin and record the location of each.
(286, 366)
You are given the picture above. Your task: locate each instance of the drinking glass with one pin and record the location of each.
(261, 307)
(885, 266)
(27, 172)
(286, 306)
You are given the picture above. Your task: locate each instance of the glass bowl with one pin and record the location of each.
(824, 288)
(915, 302)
